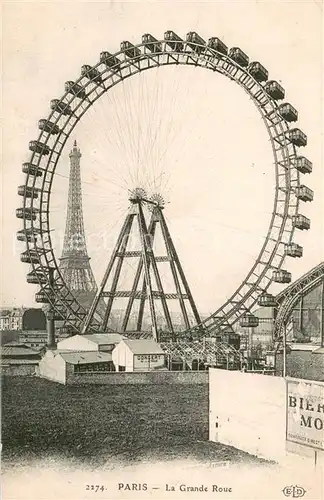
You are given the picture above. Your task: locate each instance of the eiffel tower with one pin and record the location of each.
(75, 262)
(149, 285)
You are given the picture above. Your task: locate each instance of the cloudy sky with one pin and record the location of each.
(213, 163)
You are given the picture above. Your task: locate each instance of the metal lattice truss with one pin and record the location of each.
(98, 79)
(207, 352)
(289, 297)
(74, 262)
(148, 274)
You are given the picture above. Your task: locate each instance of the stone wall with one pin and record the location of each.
(119, 378)
(303, 364)
(27, 370)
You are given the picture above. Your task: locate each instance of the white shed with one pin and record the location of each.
(53, 367)
(138, 355)
(90, 342)
(61, 366)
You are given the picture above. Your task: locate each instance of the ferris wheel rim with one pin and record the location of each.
(67, 99)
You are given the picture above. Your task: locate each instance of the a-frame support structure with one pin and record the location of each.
(147, 274)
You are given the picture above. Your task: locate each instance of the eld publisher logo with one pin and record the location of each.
(294, 491)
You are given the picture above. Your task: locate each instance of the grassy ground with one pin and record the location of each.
(96, 423)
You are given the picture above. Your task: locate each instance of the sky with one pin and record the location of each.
(213, 164)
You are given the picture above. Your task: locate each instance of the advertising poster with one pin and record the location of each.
(305, 413)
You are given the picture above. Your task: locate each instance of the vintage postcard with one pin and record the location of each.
(162, 250)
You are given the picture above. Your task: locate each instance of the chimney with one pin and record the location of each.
(50, 315)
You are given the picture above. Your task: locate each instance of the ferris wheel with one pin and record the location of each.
(100, 79)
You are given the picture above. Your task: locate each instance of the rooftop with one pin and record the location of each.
(9, 361)
(12, 312)
(139, 335)
(144, 346)
(82, 357)
(303, 347)
(14, 349)
(104, 338)
(33, 332)
(319, 350)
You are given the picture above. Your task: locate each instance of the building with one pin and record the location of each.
(19, 359)
(16, 324)
(7, 336)
(62, 365)
(22, 318)
(33, 319)
(11, 319)
(308, 316)
(305, 323)
(103, 342)
(36, 338)
(33, 338)
(138, 355)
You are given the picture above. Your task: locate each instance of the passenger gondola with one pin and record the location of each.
(274, 90)
(75, 89)
(110, 60)
(91, 73)
(267, 300)
(30, 257)
(26, 235)
(239, 56)
(216, 44)
(293, 250)
(39, 147)
(297, 137)
(151, 43)
(281, 276)
(304, 193)
(259, 73)
(130, 50)
(288, 112)
(27, 213)
(36, 278)
(303, 165)
(249, 321)
(301, 222)
(28, 192)
(173, 41)
(42, 297)
(47, 126)
(30, 169)
(61, 107)
(195, 42)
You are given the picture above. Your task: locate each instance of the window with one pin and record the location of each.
(93, 367)
(106, 348)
